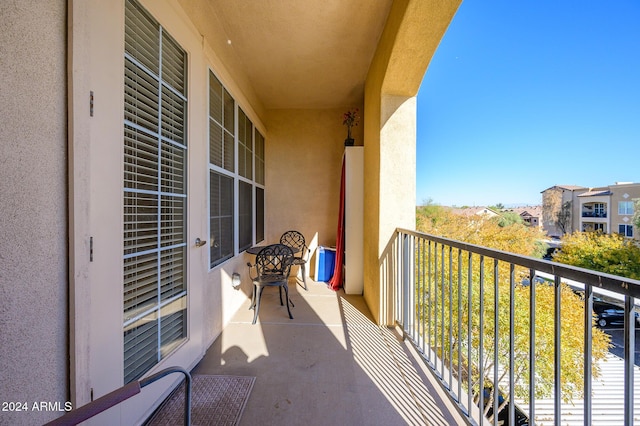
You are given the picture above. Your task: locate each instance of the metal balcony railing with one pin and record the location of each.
(121, 394)
(594, 214)
(475, 319)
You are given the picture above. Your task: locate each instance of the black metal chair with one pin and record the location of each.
(296, 241)
(273, 264)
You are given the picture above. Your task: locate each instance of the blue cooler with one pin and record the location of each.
(325, 262)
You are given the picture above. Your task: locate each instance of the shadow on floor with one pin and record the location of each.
(330, 365)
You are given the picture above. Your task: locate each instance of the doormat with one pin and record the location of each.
(215, 400)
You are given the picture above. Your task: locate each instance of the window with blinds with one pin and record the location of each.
(259, 214)
(221, 125)
(245, 209)
(221, 217)
(236, 191)
(259, 155)
(222, 168)
(245, 145)
(155, 152)
(259, 165)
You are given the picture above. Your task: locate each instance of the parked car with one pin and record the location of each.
(609, 313)
(551, 251)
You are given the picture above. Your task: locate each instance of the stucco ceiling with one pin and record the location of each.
(294, 53)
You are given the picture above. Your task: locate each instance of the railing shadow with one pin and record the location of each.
(457, 303)
(332, 354)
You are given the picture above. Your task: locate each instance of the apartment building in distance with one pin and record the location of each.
(609, 209)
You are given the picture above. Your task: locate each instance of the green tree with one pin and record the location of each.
(610, 253)
(441, 280)
(636, 213)
(563, 217)
(429, 211)
(509, 218)
(555, 213)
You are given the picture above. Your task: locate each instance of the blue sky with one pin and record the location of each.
(522, 95)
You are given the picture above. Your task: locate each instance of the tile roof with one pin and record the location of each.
(592, 193)
(568, 187)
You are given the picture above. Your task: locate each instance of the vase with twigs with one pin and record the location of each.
(350, 119)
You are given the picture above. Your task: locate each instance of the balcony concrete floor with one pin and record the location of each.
(330, 365)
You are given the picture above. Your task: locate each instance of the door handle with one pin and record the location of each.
(200, 243)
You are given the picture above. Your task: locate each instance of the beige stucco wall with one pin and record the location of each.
(623, 192)
(570, 196)
(33, 197)
(411, 35)
(304, 157)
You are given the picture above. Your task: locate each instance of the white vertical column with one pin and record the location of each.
(354, 218)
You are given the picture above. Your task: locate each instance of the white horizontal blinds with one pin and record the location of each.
(259, 156)
(173, 328)
(245, 169)
(140, 222)
(154, 193)
(221, 129)
(259, 179)
(245, 145)
(229, 105)
(245, 198)
(141, 159)
(259, 215)
(221, 217)
(216, 132)
(143, 337)
(142, 38)
(222, 169)
(229, 112)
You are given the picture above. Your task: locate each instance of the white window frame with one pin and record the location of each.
(627, 232)
(237, 179)
(625, 208)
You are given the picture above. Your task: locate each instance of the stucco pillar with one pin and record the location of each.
(390, 200)
(410, 37)
(398, 178)
(397, 165)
